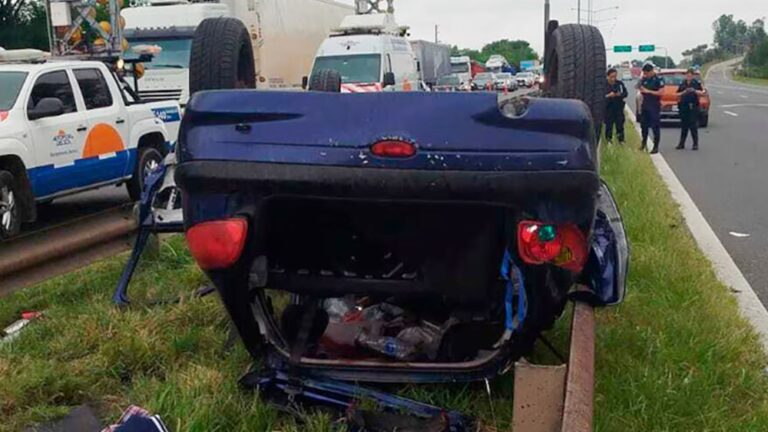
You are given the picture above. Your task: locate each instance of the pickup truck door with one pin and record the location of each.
(58, 140)
(105, 149)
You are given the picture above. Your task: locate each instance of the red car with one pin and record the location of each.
(669, 100)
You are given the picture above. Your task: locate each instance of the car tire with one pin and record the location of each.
(10, 212)
(221, 56)
(704, 120)
(326, 80)
(149, 158)
(575, 67)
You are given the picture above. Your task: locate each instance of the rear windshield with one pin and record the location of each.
(10, 86)
(354, 69)
(504, 76)
(484, 76)
(449, 80)
(677, 79)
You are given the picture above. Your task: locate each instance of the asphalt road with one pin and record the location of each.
(76, 206)
(728, 177)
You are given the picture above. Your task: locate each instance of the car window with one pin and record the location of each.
(10, 86)
(53, 85)
(94, 88)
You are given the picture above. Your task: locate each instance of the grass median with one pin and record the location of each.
(750, 80)
(674, 357)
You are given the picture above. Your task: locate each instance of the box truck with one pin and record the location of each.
(434, 60)
(285, 35)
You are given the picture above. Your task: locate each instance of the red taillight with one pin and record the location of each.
(393, 149)
(3, 115)
(561, 245)
(218, 244)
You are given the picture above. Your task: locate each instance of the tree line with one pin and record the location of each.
(514, 51)
(23, 24)
(733, 38)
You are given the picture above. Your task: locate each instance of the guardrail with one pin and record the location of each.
(41, 255)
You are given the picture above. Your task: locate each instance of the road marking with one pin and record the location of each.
(744, 105)
(720, 92)
(744, 97)
(731, 113)
(726, 269)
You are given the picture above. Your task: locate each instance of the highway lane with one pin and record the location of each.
(728, 177)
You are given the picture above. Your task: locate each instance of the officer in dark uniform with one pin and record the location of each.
(614, 115)
(689, 92)
(651, 87)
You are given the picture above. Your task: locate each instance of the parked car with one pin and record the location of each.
(449, 83)
(69, 126)
(506, 81)
(669, 100)
(485, 81)
(626, 75)
(422, 237)
(525, 79)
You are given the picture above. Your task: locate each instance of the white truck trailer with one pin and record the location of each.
(285, 36)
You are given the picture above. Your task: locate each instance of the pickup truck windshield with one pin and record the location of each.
(175, 53)
(460, 68)
(10, 85)
(353, 69)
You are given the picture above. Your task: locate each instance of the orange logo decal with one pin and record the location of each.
(102, 139)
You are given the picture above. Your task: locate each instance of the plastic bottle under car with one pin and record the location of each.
(389, 346)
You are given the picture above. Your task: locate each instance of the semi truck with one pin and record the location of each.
(284, 34)
(434, 60)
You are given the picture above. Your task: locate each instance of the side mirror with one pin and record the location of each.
(46, 107)
(304, 82)
(389, 79)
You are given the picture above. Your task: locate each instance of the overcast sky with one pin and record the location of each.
(675, 24)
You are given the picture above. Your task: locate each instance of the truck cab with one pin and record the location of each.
(367, 49)
(462, 67)
(67, 126)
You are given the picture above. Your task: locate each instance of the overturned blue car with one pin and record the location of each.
(398, 236)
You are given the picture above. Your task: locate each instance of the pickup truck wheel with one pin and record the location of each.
(148, 160)
(10, 218)
(576, 65)
(326, 80)
(221, 57)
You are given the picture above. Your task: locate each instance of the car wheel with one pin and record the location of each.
(10, 216)
(704, 120)
(576, 65)
(149, 159)
(326, 80)
(221, 56)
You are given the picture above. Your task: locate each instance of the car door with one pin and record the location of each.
(105, 149)
(58, 140)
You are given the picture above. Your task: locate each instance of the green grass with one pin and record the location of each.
(674, 357)
(750, 80)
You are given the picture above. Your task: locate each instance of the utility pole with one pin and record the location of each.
(437, 33)
(578, 12)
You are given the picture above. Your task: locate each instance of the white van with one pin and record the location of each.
(371, 54)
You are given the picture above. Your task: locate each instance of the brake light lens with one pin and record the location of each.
(562, 245)
(3, 115)
(394, 149)
(217, 245)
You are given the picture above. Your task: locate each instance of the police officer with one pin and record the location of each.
(651, 87)
(689, 92)
(614, 116)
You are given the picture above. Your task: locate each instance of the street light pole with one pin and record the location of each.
(578, 12)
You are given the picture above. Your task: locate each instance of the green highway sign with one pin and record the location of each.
(622, 48)
(647, 48)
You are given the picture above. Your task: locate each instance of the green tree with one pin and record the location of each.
(514, 51)
(730, 36)
(23, 24)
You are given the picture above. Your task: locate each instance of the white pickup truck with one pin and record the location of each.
(68, 126)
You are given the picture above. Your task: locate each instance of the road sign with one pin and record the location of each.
(622, 48)
(647, 48)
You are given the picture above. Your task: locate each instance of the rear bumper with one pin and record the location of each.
(271, 179)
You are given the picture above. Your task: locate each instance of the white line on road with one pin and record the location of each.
(720, 92)
(744, 106)
(733, 114)
(725, 268)
(744, 97)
